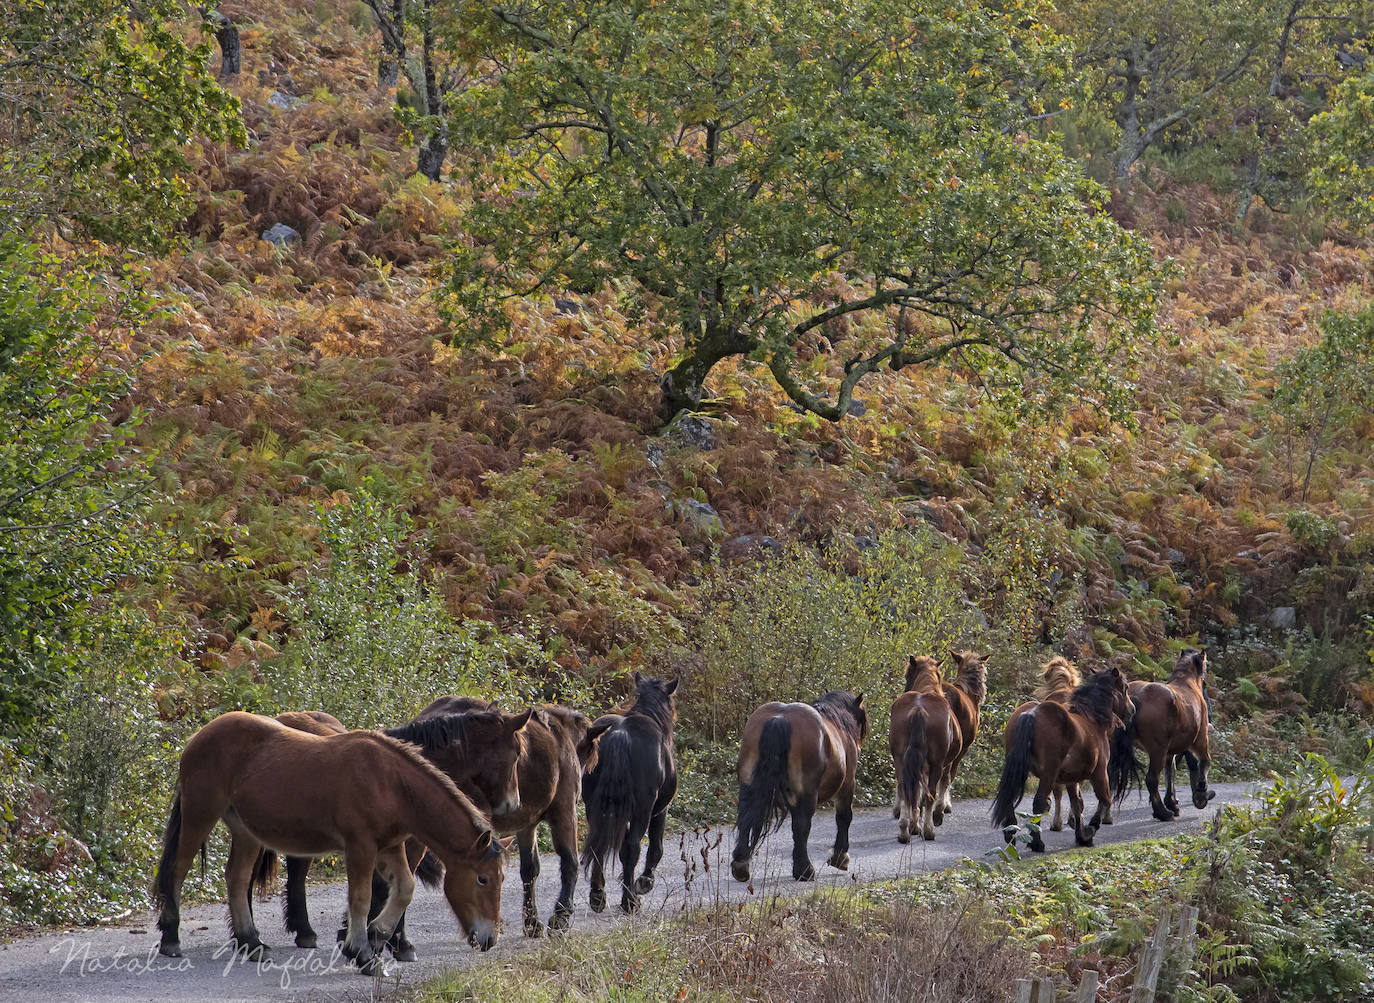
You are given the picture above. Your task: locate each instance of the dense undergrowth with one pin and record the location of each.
(1286, 913)
(354, 516)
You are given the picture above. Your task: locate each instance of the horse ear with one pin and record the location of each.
(958, 656)
(505, 843)
(859, 701)
(638, 678)
(671, 688)
(1200, 661)
(516, 722)
(481, 844)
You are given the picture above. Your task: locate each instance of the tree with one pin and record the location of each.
(1342, 172)
(97, 100)
(784, 180)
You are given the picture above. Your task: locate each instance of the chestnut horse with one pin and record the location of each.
(1064, 743)
(1059, 677)
(360, 793)
(965, 695)
(1171, 720)
(924, 739)
(630, 780)
(549, 771)
(793, 757)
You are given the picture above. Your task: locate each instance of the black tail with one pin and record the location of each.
(914, 763)
(265, 871)
(1015, 771)
(612, 799)
(1123, 769)
(763, 800)
(430, 872)
(164, 882)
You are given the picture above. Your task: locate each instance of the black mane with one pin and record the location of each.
(840, 708)
(652, 700)
(1094, 698)
(440, 732)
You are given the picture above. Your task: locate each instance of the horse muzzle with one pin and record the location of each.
(507, 807)
(483, 935)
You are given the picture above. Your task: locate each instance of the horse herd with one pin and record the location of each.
(443, 797)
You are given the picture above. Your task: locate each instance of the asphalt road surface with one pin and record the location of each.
(119, 963)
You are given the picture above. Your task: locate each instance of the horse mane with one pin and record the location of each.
(1059, 675)
(835, 707)
(972, 676)
(438, 732)
(412, 752)
(1183, 666)
(923, 671)
(1094, 698)
(656, 705)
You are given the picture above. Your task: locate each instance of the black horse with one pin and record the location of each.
(629, 781)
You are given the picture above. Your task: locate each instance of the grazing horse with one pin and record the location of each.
(794, 756)
(549, 770)
(925, 740)
(1171, 720)
(629, 781)
(478, 752)
(965, 695)
(1065, 743)
(1059, 677)
(360, 793)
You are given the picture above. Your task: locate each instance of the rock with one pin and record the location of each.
(864, 543)
(653, 454)
(1282, 618)
(1174, 557)
(699, 516)
(693, 430)
(739, 548)
(281, 99)
(281, 235)
(976, 614)
(567, 307)
(857, 407)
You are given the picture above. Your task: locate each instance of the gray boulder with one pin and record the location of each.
(281, 235)
(1282, 618)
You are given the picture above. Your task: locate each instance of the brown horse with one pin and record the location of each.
(1059, 677)
(965, 695)
(924, 740)
(793, 757)
(477, 750)
(1171, 720)
(627, 786)
(1063, 743)
(549, 771)
(360, 793)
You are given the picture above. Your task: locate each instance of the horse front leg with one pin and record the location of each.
(802, 812)
(1170, 798)
(1104, 801)
(360, 863)
(529, 872)
(400, 885)
(563, 828)
(658, 824)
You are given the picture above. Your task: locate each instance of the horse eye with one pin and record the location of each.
(481, 879)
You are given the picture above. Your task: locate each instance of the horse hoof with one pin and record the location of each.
(372, 966)
(644, 884)
(903, 838)
(170, 949)
(629, 904)
(1164, 815)
(839, 860)
(1038, 846)
(533, 928)
(307, 941)
(254, 950)
(596, 900)
(809, 874)
(560, 920)
(740, 869)
(1056, 827)
(939, 818)
(896, 812)
(404, 952)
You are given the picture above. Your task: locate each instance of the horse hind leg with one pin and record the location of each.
(1157, 806)
(188, 827)
(295, 915)
(1170, 798)
(802, 813)
(1057, 824)
(657, 826)
(629, 860)
(529, 872)
(244, 849)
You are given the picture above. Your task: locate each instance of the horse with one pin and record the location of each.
(478, 752)
(628, 783)
(924, 739)
(965, 695)
(361, 793)
(793, 757)
(1171, 719)
(1058, 678)
(1064, 743)
(549, 769)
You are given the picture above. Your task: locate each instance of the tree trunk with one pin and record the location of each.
(388, 72)
(430, 161)
(231, 53)
(684, 384)
(392, 26)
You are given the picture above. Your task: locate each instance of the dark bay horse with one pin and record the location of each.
(360, 793)
(925, 741)
(630, 780)
(549, 771)
(793, 757)
(965, 695)
(1064, 743)
(477, 750)
(1171, 720)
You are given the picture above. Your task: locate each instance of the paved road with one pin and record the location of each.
(119, 963)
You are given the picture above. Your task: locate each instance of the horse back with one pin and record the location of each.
(966, 713)
(1066, 742)
(315, 722)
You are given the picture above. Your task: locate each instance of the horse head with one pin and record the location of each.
(473, 890)
(655, 697)
(1122, 705)
(922, 671)
(971, 674)
(1192, 663)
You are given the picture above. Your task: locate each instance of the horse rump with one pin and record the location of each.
(610, 801)
(763, 800)
(914, 762)
(1015, 771)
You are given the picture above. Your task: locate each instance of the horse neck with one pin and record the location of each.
(661, 714)
(927, 680)
(971, 684)
(440, 817)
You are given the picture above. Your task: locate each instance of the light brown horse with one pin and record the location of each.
(965, 695)
(477, 749)
(550, 771)
(361, 794)
(1065, 743)
(924, 739)
(1171, 720)
(1059, 677)
(793, 757)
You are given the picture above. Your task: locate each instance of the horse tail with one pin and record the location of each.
(612, 799)
(430, 872)
(1015, 770)
(265, 870)
(165, 882)
(1123, 769)
(914, 763)
(763, 800)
